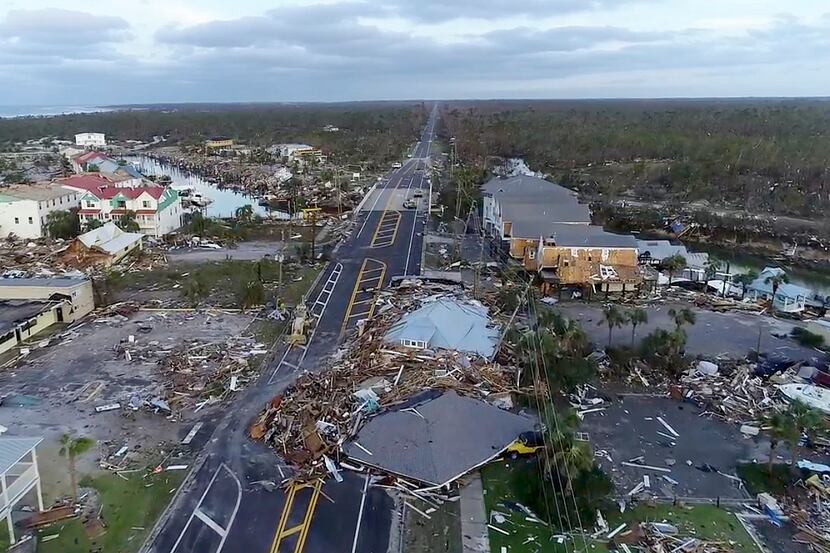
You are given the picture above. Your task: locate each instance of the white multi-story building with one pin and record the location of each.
(91, 139)
(24, 208)
(158, 209)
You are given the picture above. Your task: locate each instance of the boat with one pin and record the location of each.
(192, 198)
(808, 394)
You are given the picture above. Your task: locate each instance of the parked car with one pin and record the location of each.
(527, 444)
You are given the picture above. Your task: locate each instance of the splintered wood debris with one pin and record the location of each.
(312, 418)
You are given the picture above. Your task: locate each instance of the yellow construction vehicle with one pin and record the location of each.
(299, 326)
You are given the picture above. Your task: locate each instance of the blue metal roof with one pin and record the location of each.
(448, 323)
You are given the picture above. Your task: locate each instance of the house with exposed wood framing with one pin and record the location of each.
(545, 228)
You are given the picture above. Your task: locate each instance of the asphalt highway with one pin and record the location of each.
(230, 503)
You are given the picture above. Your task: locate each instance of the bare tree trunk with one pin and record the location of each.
(73, 480)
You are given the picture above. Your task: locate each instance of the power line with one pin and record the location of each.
(569, 479)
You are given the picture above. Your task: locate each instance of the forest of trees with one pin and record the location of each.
(378, 131)
(765, 156)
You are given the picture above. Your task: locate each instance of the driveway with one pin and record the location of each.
(244, 251)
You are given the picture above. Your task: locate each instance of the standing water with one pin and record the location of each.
(225, 201)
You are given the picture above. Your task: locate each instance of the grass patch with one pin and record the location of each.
(219, 280)
(127, 506)
(706, 522)
(500, 486)
(441, 533)
(758, 479)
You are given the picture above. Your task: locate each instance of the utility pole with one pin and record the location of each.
(313, 232)
(282, 258)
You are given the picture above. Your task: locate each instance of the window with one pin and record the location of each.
(122, 203)
(145, 203)
(531, 254)
(90, 203)
(414, 344)
(16, 221)
(31, 221)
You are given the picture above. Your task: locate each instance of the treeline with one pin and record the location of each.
(377, 131)
(758, 155)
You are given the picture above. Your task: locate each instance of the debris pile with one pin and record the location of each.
(45, 257)
(311, 420)
(813, 518)
(662, 537)
(194, 374)
(198, 373)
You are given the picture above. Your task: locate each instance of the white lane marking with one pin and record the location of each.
(334, 278)
(197, 512)
(360, 514)
(390, 186)
(212, 524)
(235, 507)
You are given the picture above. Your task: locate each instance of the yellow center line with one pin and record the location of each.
(389, 223)
(286, 510)
(358, 289)
(312, 505)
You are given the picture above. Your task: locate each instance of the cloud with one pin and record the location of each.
(443, 10)
(362, 50)
(59, 26)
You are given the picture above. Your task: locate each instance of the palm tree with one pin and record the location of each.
(744, 280)
(612, 317)
(127, 222)
(775, 281)
(71, 448)
(682, 316)
(198, 224)
(673, 264)
(782, 428)
(245, 213)
(713, 266)
(636, 317)
(809, 422)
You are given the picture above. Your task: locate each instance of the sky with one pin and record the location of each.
(103, 52)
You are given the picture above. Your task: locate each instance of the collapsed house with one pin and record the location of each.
(402, 366)
(449, 324)
(31, 305)
(436, 437)
(105, 246)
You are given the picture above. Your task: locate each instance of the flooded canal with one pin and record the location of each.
(225, 201)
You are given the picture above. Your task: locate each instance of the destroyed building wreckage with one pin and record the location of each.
(193, 374)
(322, 417)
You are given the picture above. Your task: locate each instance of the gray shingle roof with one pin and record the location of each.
(526, 199)
(13, 449)
(455, 435)
(567, 235)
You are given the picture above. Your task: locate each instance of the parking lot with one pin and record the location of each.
(731, 334)
(629, 430)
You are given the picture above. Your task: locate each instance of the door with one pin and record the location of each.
(59, 314)
(17, 335)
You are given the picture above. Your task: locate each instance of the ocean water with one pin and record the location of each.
(45, 111)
